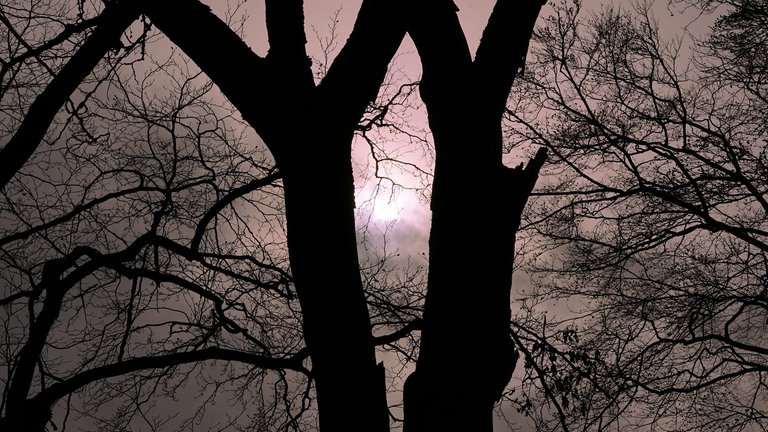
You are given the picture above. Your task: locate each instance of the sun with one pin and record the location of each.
(387, 206)
(381, 203)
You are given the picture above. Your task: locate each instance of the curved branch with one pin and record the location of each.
(65, 387)
(251, 186)
(409, 328)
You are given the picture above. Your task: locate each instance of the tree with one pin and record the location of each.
(465, 100)
(83, 251)
(654, 215)
(114, 217)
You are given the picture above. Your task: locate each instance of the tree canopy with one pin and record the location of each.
(653, 225)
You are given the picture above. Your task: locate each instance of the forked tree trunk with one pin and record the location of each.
(466, 356)
(309, 129)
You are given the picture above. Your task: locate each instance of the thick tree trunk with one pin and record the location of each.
(309, 130)
(31, 418)
(319, 193)
(466, 356)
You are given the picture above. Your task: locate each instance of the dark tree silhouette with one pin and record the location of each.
(465, 100)
(653, 226)
(94, 247)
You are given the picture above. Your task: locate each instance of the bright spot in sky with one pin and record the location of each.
(381, 203)
(387, 206)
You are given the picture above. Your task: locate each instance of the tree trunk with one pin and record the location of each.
(309, 130)
(30, 418)
(466, 356)
(319, 194)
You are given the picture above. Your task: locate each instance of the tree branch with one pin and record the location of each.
(503, 47)
(238, 72)
(63, 388)
(409, 328)
(115, 19)
(354, 78)
(442, 47)
(285, 29)
(227, 200)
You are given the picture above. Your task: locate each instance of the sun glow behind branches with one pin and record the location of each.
(381, 203)
(387, 206)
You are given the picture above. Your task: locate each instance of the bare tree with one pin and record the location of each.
(465, 101)
(653, 222)
(123, 249)
(147, 234)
